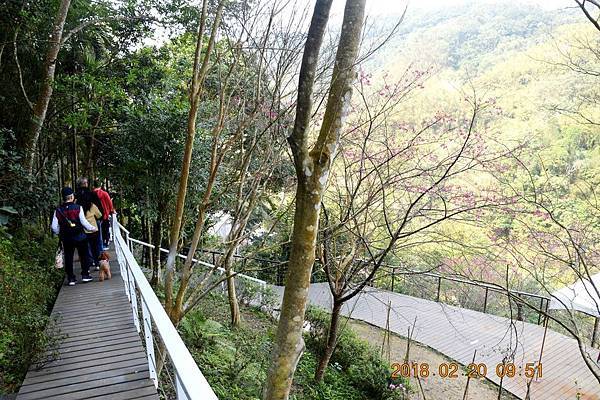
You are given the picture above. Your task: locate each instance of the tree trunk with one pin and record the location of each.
(198, 75)
(176, 311)
(41, 105)
(90, 162)
(148, 249)
(145, 238)
(289, 343)
(331, 341)
(157, 241)
(74, 157)
(312, 170)
(234, 306)
(181, 193)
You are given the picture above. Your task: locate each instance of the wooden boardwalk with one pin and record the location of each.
(458, 332)
(99, 353)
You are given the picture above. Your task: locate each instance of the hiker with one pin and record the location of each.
(85, 195)
(92, 215)
(68, 222)
(109, 209)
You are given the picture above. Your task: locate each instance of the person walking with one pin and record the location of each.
(84, 195)
(92, 215)
(109, 209)
(68, 222)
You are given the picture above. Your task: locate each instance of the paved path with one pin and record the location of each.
(458, 332)
(100, 353)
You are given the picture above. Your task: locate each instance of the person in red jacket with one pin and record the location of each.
(109, 209)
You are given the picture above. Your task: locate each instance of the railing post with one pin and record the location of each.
(134, 305)
(485, 300)
(127, 279)
(519, 304)
(181, 394)
(393, 277)
(541, 311)
(595, 331)
(149, 342)
(188, 378)
(439, 288)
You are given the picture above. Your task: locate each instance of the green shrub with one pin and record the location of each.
(235, 361)
(28, 288)
(251, 293)
(366, 370)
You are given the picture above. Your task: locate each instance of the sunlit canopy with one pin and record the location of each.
(580, 296)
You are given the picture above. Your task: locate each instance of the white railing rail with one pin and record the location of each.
(189, 381)
(259, 282)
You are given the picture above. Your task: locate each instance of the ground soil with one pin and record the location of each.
(434, 387)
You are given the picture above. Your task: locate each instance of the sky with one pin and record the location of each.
(376, 7)
(396, 7)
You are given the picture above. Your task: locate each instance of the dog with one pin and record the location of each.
(104, 267)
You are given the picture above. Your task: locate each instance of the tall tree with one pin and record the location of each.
(40, 107)
(242, 112)
(312, 167)
(200, 70)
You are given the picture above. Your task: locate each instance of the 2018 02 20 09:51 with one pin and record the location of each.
(474, 370)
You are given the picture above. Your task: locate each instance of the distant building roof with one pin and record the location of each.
(582, 296)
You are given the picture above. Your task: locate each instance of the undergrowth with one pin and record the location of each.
(235, 362)
(28, 287)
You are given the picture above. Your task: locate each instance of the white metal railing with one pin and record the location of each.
(220, 270)
(190, 384)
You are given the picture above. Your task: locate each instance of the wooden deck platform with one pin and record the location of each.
(458, 332)
(99, 353)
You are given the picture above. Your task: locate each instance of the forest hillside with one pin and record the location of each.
(447, 153)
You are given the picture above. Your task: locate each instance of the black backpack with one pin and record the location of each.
(70, 229)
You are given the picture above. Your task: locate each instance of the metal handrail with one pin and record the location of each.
(200, 262)
(189, 381)
(440, 277)
(484, 285)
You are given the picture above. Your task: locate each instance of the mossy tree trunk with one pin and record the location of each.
(312, 171)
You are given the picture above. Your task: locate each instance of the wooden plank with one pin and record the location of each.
(149, 397)
(111, 325)
(121, 312)
(145, 393)
(98, 319)
(457, 332)
(78, 378)
(58, 367)
(118, 337)
(113, 390)
(99, 354)
(98, 357)
(51, 389)
(68, 353)
(97, 335)
(31, 380)
(84, 308)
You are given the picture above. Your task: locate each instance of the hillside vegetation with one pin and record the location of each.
(463, 141)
